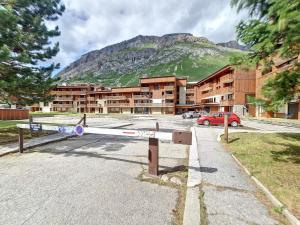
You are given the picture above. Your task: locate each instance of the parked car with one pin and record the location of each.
(190, 115)
(218, 119)
(193, 114)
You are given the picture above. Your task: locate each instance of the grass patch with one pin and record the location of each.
(10, 134)
(275, 160)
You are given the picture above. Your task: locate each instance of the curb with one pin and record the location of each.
(191, 214)
(290, 217)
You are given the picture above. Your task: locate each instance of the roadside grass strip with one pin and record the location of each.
(273, 162)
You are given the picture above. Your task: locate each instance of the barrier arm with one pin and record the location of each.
(177, 137)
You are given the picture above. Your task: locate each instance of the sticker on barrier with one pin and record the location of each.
(65, 130)
(35, 127)
(79, 130)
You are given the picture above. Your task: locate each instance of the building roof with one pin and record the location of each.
(218, 72)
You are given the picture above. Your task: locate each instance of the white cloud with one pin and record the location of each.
(92, 24)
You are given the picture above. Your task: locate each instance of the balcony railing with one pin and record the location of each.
(117, 105)
(227, 78)
(189, 91)
(68, 92)
(93, 105)
(63, 99)
(206, 87)
(63, 105)
(141, 96)
(153, 104)
(115, 97)
(169, 88)
(145, 89)
(227, 102)
(169, 96)
(91, 98)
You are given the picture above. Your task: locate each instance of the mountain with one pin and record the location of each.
(234, 44)
(124, 63)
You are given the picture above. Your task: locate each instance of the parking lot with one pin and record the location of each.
(91, 179)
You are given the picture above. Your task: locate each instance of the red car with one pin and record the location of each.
(218, 119)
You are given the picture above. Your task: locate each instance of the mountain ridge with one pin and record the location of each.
(122, 64)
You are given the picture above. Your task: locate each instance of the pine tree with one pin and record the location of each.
(24, 46)
(273, 30)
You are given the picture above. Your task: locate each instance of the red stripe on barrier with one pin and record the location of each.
(129, 132)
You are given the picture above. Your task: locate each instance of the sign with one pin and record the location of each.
(34, 127)
(79, 130)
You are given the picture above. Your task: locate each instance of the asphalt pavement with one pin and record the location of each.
(89, 180)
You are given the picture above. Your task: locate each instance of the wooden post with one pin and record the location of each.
(30, 122)
(153, 155)
(84, 120)
(21, 140)
(226, 127)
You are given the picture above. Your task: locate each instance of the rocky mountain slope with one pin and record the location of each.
(143, 56)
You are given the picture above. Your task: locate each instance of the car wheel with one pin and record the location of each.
(234, 124)
(206, 122)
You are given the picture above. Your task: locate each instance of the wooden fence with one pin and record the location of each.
(14, 114)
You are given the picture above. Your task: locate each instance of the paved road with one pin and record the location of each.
(229, 194)
(88, 180)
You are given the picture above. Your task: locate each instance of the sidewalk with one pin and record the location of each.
(229, 194)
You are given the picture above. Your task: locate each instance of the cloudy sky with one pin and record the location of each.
(92, 24)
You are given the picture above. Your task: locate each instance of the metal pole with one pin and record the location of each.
(226, 127)
(153, 154)
(21, 140)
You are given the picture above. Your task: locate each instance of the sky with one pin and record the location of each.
(88, 25)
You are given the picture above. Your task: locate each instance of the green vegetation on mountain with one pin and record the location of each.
(125, 63)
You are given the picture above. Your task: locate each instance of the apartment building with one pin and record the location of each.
(226, 90)
(155, 95)
(74, 98)
(290, 110)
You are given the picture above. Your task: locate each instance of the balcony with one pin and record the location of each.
(145, 89)
(227, 78)
(141, 96)
(190, 91)
(149, 104)
(190, 97)
(91, 98)
(206, 87)
(62, 105)
(227, 89)
(170, 88)
(93, 105)
(68, 92)
(169, 96)
(117, 105)
(63, 99)
(115, 97)
(208, 103)
(227, 102)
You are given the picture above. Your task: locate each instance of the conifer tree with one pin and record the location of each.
(25, 47)
(273, 30)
